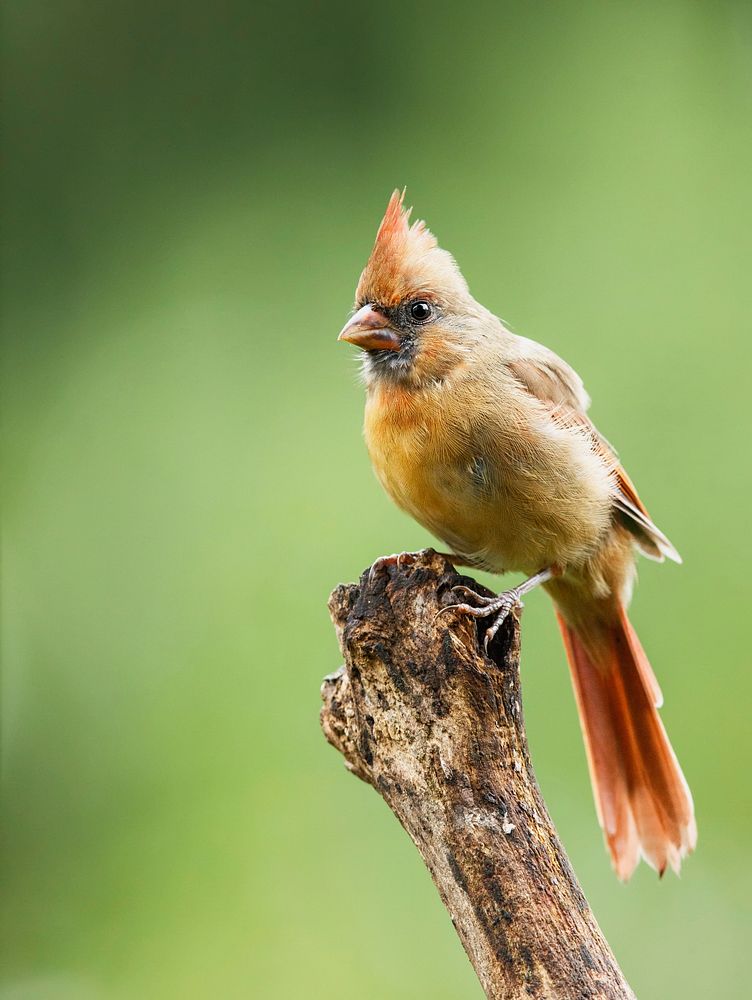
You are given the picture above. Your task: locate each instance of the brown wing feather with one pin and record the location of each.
(554, 383)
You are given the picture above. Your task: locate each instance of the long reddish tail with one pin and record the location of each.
(643, 802)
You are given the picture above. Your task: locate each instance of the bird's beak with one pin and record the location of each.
(370, 330)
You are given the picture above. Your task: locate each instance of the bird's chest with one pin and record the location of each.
(502, 493)
(429, 461)
(412, 454)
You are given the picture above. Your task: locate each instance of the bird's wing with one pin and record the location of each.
(555, 384)
(547, 376)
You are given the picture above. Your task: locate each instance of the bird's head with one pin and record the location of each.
(412, 305)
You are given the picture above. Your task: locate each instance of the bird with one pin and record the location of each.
(483, 437)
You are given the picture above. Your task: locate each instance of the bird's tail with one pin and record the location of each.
(644, 804)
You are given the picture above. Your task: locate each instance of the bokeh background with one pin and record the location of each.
(190, 193)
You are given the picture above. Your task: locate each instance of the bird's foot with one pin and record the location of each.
(397, 559)
(499, 607)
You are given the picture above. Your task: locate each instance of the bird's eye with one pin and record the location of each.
(420, 311)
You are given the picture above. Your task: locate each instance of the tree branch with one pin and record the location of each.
(436, 727)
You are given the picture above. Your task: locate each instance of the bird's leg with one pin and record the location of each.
(501, 605)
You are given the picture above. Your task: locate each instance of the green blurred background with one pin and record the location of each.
(190, 193)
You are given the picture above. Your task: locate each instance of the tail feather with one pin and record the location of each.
(644, 805)
(639, 657)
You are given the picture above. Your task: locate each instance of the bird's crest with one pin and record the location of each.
(396, 235)
(405, 260)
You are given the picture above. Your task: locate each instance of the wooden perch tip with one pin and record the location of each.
(436, 726)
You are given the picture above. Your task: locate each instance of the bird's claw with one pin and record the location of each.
(500, 607)
(396, 559)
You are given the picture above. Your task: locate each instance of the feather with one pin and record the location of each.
(643, 802)
(406, 260)
(558, 386)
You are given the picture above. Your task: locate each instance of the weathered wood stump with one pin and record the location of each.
(419, 712)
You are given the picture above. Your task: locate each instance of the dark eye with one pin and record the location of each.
(420, 311)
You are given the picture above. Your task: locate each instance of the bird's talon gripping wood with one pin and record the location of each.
(512, 601)
(484, 438)
(396, 559)
(499, 607)
(480, 598)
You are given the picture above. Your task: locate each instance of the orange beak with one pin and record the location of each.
(370, 330)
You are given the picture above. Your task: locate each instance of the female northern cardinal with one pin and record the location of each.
(482, 436)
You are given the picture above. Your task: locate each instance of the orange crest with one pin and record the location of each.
(405, 259)
(395, 233)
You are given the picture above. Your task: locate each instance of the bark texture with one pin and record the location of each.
(419, 712)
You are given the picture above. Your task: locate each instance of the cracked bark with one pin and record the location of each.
(436, 727)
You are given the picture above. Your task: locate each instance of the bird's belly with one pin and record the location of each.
(512, 529)
(502, 509)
